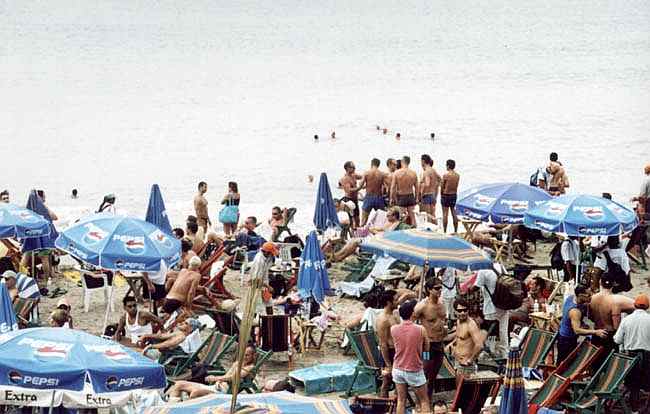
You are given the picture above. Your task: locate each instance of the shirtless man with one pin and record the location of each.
(349, 185)
(183, 290)
(192, 233)
(469, 340)
(605, 310)
(201, 207)
(388, 179)
(433, 317)
(449, 194)
(373, 181)
(429, 184)
(404, 190)
(559, 180)
(383, 323)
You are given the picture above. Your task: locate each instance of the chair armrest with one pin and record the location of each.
(604, 394)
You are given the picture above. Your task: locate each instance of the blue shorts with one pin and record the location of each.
(373, 202)
(412, 379)
(428, 199)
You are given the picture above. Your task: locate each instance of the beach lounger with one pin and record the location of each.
(215, 285)
(604, 386)
(366, 348)
(573, 368)
(248, 384)
(206, 265)
(288, 219)
(226, 322)
(535, 346)
(472, 392)
(446, 379)
(209, 354)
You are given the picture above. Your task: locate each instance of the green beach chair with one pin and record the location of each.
(248, 384)
(535, 347)
(446, 378)
(573, 368)
(366, 348)
(210, 353)
(604, 386)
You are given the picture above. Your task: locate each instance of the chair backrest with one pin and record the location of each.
(366, 347)
(536, 345)
(579, 360)
(447, 370)
(291, 212)
(205, 267)
(216, 345)
(610, 375)
(549, 392)
(262, 357)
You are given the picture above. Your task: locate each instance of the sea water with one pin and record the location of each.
(113, 96)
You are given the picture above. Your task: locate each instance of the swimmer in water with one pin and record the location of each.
(398, 136)
(385, 131)
(333, 135)
(432, 136)
(315, 137)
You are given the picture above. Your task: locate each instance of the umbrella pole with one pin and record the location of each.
(422, 278)
(52, 403)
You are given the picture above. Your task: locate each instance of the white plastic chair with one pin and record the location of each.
(105, 286)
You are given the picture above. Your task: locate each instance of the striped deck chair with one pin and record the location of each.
(535, 347)
(209, 354)
(248, 384)
(446, 379)
(206, 265)
(604, 386)
(366, 348)
(25, 310)
(573, 368)
(215, 284)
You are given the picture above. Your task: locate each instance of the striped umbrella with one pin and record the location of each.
(424, 247)
(513, 398)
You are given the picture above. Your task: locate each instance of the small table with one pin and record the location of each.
(543, 320)
(470, 226)
(392, 279)
(305, 335)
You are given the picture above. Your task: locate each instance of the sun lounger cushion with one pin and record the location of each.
(324, 378)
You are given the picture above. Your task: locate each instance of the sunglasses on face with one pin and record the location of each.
(461, 310)
(437, 287)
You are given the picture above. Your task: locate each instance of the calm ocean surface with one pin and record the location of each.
(112, 96)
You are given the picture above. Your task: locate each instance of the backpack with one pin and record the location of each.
(508, 293)
(616, 273)
(557, 262)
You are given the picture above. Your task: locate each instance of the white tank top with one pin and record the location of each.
(135, 331)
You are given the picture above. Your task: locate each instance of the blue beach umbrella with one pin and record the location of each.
(44, 367)
(7, 316)
(325, 212)
(500, 202)
(513, 397)
(582, 215)
(35, 204)
(21, 223)
(156, 212)
(282, 402)
(427, 248)
(312, 275)
(120, 243)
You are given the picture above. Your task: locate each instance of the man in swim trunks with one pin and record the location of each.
(433, 317)
(349, 185)
(448, 195)
(469, 340)
(373, 181)
(429, 184)
(386, 320)
(405, 189)
(201, 207)
(183, 290)
(388, 179)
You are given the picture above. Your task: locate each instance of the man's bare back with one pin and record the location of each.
(383, 323)
(450, 183)
(374, 179)
(183, 284)
(405, 181)
(606, 308)
(432, 317)
(430, 182)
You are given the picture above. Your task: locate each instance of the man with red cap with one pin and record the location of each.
(259, 273)
(633, 335)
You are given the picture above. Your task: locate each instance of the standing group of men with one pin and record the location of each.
(400, 186)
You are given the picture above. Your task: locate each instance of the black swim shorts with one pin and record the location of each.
(406, 200)
(448, 200)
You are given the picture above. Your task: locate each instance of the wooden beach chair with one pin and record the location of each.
(573, 368)
(472, 392)
(446, 379)
(604, 386)
(209, 354)
(248, 384)
(215, 287)
(26, 312)
(288, 219)
(366, 348)
(206, 265)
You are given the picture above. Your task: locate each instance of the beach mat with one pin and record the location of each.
(325, 378)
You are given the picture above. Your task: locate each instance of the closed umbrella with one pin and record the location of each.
(325, 212)
(513, 397)
(313, 280)
(156, 212)
(46, 241)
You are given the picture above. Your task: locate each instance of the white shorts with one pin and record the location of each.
(413, 379)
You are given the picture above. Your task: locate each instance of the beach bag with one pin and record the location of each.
(616, 273)
(508, 293)
(229, 214)
(557, 262)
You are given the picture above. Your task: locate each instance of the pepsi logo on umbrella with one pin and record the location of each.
(555, 209)
(592, 213)
(47, 349)
(482, 200)
(93, 234)
(25, 215)
(132, 244)
(15, 377)
(516, 206)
